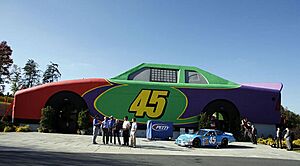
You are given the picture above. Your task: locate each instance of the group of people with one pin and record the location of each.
(111, 128)
(249, 130)
(287, 135)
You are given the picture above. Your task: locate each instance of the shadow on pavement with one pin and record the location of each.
(159, 148)
(26, 156)
(239, 147)
(229, 147)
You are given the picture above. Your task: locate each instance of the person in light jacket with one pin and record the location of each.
(278, 138)
(111, 124)
(105, 135)
(133, 133)
(287, 138)
(96, 127)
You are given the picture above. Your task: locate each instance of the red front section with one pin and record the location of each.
(29, 102)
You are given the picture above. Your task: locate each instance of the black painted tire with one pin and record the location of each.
(224, 143)
(196, 143)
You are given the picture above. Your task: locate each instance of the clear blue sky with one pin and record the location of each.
(243, 41)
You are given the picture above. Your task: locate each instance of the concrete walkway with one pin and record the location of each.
(68, 143)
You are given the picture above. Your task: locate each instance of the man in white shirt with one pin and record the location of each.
(278, 138)
(126, 126)
(133, 133)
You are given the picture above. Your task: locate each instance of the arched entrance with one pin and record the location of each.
(67, 104)
(224, 114)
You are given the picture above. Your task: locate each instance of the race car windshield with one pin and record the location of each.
(201, 132)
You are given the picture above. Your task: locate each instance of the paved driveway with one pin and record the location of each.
(67, 143)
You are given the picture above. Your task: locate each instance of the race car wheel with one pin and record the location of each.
(196, 143)
(224, 142)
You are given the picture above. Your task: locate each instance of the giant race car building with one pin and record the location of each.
(171, 93)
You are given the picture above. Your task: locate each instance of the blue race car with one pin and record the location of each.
(205, 137)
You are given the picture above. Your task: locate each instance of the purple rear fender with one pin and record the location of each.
(258, 102)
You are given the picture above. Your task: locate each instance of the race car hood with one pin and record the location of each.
(228, 134)
(187, 136)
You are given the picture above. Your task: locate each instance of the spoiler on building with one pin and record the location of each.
(271, 86)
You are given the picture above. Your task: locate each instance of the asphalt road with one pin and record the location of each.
(64, 149)
(23, 156)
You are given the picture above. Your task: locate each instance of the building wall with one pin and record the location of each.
(265, 129)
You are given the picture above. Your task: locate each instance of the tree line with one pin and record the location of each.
(28, 76)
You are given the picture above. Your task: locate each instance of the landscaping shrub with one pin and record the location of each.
(48, 118)
(83, 120)
(271, 142)
(9, 128)
(260, 141)
(5, 103)
(296, 143)
(6, 99)
(204, 121)
(25, 128)
(268, 141)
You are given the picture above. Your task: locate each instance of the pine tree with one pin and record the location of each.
(5, 62)
(15, 79)
(31, 74)
(52, 73)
